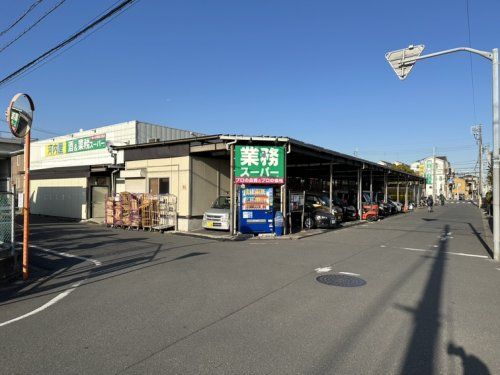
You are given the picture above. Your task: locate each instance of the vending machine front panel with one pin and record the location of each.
(256, 213)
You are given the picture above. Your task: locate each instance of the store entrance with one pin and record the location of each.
(98, 196)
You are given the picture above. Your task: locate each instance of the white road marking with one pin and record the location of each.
(412, 249)
(468, 255)
(349, 273)
(383, 246)
(53, 301)
(60, 296)
(97, 263)
(446, 252)
(323, 269)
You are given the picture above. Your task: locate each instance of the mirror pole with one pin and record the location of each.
(26, 204)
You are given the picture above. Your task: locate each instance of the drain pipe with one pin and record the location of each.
(113, 181)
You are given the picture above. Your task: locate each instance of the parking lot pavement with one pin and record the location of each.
(170, 304)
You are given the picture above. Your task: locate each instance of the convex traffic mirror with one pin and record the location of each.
(20, 115)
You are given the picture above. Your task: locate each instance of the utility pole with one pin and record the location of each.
(434, 182)
(477, 131)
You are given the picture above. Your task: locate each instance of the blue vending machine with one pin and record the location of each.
(256, 212)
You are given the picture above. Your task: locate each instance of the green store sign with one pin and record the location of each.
(95, 142)
(259, 164)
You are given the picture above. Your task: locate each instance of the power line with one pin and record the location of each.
(36, 129)
(31, 64)
(470, 61)
(26, 12)
(56, 55)
(25, 31)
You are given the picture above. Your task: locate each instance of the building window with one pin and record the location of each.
(159, 186)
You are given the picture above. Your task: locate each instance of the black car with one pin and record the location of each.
(348, 212)
(318, 217)
(384, 209)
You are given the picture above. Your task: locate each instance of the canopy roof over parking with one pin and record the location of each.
(303, 159)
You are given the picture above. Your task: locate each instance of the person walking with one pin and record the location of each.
(430, 203)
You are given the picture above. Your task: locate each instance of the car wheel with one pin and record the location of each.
(309, 223)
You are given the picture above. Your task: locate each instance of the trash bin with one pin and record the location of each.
(278, 223)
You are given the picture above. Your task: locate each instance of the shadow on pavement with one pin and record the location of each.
(65, 275)
(471, 364)
(483, 242)
(422, 349)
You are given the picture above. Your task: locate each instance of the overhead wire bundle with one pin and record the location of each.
(107, 16)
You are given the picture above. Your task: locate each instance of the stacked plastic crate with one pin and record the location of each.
(110, 212)
(118, 211)
(135, 211)
(146, 211)
(126, 197)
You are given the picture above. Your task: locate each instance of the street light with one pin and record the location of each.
(402, 62)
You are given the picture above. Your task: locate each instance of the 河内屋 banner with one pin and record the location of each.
(94, 142)
(259, 165)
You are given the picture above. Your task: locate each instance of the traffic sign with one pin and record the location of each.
(403, 60)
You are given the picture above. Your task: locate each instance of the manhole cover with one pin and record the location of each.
(341, 280)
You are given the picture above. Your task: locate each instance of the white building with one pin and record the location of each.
(72, 174)
(425, 168)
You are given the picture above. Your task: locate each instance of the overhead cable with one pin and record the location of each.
(72, 38)
(20, 18)
(27, 30)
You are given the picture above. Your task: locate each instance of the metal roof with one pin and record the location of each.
(321, 152)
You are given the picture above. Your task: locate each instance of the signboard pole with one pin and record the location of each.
(231, 187)
(26, 205)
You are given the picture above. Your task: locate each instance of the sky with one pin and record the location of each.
(310, 70)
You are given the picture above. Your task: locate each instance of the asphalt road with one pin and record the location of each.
(152, 303)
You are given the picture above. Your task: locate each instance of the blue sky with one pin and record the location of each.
(312, 70)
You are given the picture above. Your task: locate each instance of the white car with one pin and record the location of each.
(399, 205)
(218, 215)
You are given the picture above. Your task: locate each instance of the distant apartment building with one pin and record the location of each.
(425, 168)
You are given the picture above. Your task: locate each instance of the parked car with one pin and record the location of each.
(349, 212)
(399, 205)
(318, 217)
(218, 215)
(323, 201)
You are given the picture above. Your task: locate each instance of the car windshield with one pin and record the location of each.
(221, 202)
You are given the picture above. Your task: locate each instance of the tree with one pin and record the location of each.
(404, 168)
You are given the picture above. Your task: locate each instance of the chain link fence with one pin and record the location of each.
(7, 216)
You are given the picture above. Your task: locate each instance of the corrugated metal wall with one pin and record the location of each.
(146, 132)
